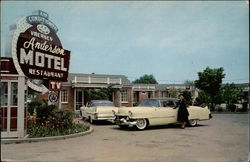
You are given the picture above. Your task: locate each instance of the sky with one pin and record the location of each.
(169, 39)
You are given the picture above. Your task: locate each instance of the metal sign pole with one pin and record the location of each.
(59, 102)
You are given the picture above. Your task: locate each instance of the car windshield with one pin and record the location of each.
(149, 103)
(94, 104)
(168, 103)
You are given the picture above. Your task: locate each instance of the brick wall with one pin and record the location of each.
(117, 100)
(158, 94)
(143, 95)
(70, 104)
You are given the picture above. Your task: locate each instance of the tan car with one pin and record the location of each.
(157, 111)
(99, 110)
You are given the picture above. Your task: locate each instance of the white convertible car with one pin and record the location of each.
(99, 110)
(157, 111)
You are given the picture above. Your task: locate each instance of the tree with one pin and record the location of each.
(210, 82)
(146, 79)
(100, 94)
(189, 83)
(173, 93)
(231, 94)
(188, 97)
(203, 99)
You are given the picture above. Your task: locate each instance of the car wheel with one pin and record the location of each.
(141, 124)
(193, 122)
(123, 126)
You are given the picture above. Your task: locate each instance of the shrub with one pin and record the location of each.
(44, 111)
(232, 108)
(53, 122)
(220, 109)
(244, 107)
(34, 104)
(48, 128)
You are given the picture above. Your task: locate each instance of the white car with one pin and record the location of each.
(99, 110)
(158, 111)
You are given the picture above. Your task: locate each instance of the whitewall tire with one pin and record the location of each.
(193, 122)
(141, 124)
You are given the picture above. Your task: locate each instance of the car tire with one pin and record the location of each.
(193, 122)
(141, 124)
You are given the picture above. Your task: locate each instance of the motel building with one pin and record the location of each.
(73, 93)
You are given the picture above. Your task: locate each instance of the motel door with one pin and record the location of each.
(79, 99)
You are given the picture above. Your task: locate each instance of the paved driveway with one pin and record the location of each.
(224, 138)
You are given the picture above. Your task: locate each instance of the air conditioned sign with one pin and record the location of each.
(37, 51)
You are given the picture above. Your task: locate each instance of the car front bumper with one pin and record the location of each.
(108, 118)
(125, 121)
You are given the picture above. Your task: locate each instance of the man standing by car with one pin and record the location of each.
(183, 114)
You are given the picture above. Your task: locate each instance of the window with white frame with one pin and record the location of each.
(4, 93)
(14, 94)
(64, 96)
(124, 96)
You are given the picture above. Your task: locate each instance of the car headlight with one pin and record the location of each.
(113, 111)
(130, 113)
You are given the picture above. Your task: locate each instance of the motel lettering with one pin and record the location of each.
(41, 59)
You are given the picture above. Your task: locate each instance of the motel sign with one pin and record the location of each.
(37, 54)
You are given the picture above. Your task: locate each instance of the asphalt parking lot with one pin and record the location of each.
(221, 139)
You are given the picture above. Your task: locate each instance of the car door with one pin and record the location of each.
(166, 112)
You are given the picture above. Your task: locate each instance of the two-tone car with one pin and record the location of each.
(158, 111)
(99, 110)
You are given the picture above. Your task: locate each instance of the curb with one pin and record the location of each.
(230, 113)
(28, 140)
